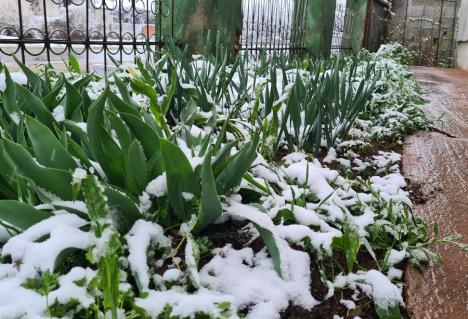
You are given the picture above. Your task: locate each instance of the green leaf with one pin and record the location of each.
(83, 82)
(349, 243)
(77, 151)
(271, 245)
(170, 92)
(136, 168)
(72, 100)
(121, 106)
(180, 178)
(123, 92)
(6, 167)
(120, 129)
(232, 174)
(33, 79)
(50, 100)
(144, 133)
(47, 149)
(74, 64)
(33, 104)
(210, 208)
(9, 97)
(188, 113)
(123, 210)
(104, 148)
(389, 313)
(53, 180)
(20, 215)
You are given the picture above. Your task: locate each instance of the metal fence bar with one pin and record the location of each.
(20, 10)
(46, 30)
(273, 26)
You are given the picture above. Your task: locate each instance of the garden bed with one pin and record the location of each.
(180, 188)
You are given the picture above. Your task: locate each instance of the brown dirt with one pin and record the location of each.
(437, 165)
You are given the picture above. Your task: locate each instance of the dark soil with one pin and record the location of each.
(417, 196)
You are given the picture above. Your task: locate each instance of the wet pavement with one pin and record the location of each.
(438, 163)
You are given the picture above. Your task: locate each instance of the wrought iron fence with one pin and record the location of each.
(273, 26)
(341, 40)
(41, 31)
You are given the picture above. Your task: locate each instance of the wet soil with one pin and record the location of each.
(436, 164)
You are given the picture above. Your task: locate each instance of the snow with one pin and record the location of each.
(375, 284)
(16, 301)
(309, 217)
(297, 233)
(156, 188)
(182, 303)
(191, 256)
(252, 280)
(139, 239)
(172, 275)
(349, 304)
(69, 290)
(102, 243)
(78, 175)
(395, 257)
(390, 188)
(59, 113)
(187, 196)
(17, 77)
(15, 117)
(64, 231)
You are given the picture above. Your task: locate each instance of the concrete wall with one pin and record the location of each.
(462, 55)
(462, 37)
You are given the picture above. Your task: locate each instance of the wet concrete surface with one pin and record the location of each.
(438, 163)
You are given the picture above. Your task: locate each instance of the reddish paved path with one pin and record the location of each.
(439, 164)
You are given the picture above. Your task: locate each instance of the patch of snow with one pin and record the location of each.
(64, 231)
(139, 238)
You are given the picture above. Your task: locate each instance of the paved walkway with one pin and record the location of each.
(438, 162)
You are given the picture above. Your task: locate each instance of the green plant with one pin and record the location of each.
(349, 243)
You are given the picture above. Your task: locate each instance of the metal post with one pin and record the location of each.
(104, 45)
(46, 30)
(120, 32)
(21, 37)
(87, 36)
